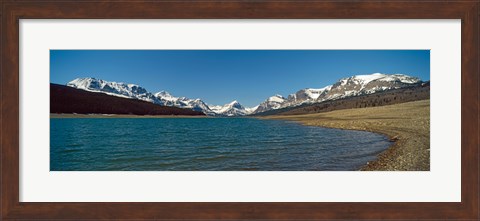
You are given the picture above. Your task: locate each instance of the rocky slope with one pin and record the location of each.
(345, 87)
(382, 98)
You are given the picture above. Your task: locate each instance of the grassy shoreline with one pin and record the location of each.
(408, 124)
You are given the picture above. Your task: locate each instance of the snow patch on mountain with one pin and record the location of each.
(184, 102)
(365, 79)
(367, 84)
(164, 98)
(276, 99)
(345, 87)
(231, 109)
(114, 88)
(271, 103)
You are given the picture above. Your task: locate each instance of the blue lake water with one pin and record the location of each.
(191, 144)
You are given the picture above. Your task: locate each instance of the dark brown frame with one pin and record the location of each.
(12, 11)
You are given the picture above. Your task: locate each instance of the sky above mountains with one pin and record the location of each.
(220, 76)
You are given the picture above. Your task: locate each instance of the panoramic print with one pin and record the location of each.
(239, 110)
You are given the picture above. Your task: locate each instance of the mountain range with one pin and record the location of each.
(69, 100)
(343, 88)
(163, 98)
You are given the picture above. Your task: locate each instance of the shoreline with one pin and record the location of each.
(406, 124)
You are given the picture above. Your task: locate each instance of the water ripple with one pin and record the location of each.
(195, 144)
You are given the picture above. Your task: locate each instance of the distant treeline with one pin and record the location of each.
(68, 100)
(395, 96)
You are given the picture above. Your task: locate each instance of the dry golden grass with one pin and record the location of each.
(407, 123)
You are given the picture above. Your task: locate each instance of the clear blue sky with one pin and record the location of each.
(220, 76)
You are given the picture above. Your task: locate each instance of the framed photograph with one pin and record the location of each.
(239, 110)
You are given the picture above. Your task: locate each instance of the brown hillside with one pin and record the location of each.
(67, 100)
(396, 96)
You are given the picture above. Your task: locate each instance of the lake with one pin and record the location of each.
(206, 144)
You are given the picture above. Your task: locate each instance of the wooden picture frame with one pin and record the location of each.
(12, 11)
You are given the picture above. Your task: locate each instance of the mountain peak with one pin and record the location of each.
(233, 102)
(231, 109)
(133, 85)
(79, 80)
(163, 93)
(367, 78)
(276, 98)
(113, 88)
(85, 78)
(84, 83)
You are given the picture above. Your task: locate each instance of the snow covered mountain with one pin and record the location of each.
(306, 95)
(368, 84)
(231, 109)
(114, 88)
(345, 87)
(162, 98)
(195, 104)
(272, 103)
